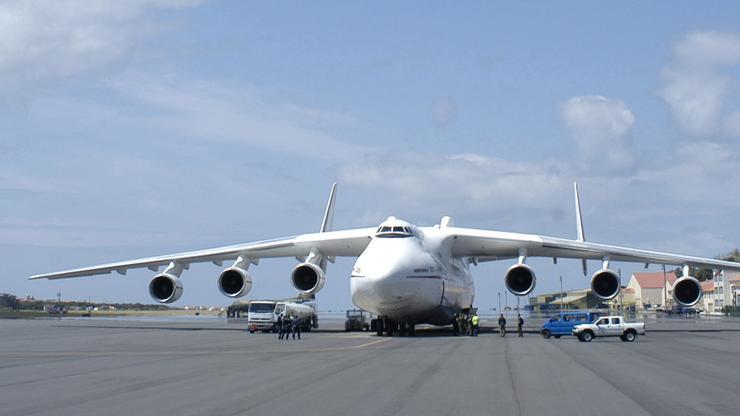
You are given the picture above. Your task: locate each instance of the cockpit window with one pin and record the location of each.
(393, 232)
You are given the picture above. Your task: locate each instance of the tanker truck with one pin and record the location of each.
(263, 314)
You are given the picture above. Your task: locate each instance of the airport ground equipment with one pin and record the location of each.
(564, 322)
(357, 320)
(263, 314)
(609, 326)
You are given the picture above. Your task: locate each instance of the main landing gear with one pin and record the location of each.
(387, 326)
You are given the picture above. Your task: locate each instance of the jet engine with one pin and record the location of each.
(687, 291)
(605, 284)
(520, 279)
(165, 288)
(308, 278)
(234, 282)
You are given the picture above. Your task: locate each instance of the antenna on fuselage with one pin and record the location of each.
(579, 225)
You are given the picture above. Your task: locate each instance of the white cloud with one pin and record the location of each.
(229, 114)
(601, 129)
(468, 184)
(694, 87)
(47, 39)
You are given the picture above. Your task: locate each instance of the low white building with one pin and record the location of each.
(652, 288)
(724, 292)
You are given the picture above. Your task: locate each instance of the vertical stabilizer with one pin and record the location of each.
(579, 225)
(328, 220)
(579, 216)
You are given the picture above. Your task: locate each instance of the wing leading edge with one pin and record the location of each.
(346, 243)
(498, 245)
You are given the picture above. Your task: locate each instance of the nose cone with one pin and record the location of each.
(384, 280)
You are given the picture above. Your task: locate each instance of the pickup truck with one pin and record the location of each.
(609, 326)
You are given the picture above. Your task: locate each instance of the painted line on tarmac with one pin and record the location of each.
(93, 354)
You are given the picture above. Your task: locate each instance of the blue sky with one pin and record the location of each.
(152, 126)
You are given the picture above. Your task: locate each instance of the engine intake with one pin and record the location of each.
(520, 279)
(605, 284)
(308, 278)
(234, 282)
(165, 288)
(687, 291)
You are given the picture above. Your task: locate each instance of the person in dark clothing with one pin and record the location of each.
(502, 325)
(287, 325)
(519, 325)
(280, 326)
(296, 327)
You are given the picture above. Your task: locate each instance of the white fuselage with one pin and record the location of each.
(412, 278)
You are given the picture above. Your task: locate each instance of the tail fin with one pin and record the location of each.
(579, 216)
(329, 212)
(579, 225)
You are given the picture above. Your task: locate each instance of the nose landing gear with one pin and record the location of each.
(385, 325)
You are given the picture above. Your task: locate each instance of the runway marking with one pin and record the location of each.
(52, 354)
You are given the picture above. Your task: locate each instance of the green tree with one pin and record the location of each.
(8, 301)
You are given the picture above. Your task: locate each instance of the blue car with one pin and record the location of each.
(563, 323)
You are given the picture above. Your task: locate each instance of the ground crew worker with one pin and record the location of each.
(463, 323)
(280, 326)
(287, 326)
(455, 325)
(502, 325)
(519, 325)
(474, 321)
(296, 327)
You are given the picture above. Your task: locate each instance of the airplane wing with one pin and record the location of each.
(494, 245)
(329, 243)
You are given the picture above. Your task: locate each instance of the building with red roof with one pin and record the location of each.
(652, 288)
(707, 293)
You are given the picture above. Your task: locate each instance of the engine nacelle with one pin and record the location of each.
(605, 284)
(308, 278)
(165, 288)
(520, 279)
(234, 282)
(687, 291)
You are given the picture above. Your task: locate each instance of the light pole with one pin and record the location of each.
(665, 295)
(561, 293)
(621, 306)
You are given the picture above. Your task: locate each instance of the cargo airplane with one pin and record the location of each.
(406, 274)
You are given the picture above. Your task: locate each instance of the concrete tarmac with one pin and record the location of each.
(61, 367)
